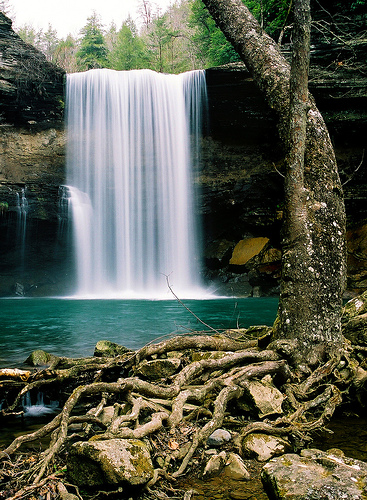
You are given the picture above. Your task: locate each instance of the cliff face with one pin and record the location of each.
(240, 177)
(32, 166)
(31, 89)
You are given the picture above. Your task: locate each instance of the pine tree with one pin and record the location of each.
(92, 52)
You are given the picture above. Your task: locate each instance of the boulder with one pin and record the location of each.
(355, 307)
(111, 462)
(158, 368)
(246, 249)
(235, 468)
(265, 397)
(109, 349)
(354, 320)
(315, 475)
(214, 465)
(263, 447)
(219, 437)
(40, 358)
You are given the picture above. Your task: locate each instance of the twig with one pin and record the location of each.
(278, 172)
(187, 308)
(355, 171)
(27, 489)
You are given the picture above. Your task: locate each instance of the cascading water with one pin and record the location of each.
(22, 211)
(130, 151)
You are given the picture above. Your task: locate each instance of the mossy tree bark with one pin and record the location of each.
(313, 265)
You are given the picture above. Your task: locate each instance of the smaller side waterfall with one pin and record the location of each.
(132, 141)
(22, 211)
(63, 212)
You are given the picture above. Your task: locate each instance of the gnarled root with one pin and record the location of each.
(165, 410)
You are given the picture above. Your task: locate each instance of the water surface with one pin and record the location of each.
(68, 327)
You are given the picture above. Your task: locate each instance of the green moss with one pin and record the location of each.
(4, 207)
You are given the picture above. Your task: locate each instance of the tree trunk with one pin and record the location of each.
(313, 264)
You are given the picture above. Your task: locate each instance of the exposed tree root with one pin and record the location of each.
(178, 412)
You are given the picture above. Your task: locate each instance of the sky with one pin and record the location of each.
(69, 16)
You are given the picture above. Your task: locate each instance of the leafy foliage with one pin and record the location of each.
(273, 15)
(213, 47)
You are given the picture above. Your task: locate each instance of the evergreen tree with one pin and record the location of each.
(159, 37)
(92, 52)
(128, 51)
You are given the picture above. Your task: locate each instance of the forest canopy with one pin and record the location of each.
(183, 38)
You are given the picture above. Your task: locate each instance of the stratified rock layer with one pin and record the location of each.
(31, 88)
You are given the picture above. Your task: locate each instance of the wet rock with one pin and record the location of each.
(354, 320)
(158, 368)
(265, 397)
(263, 447)
(214, 465)
(109, 349)
(239, 495)
(235, 468)
(355, 307)
(247, 249)
(110, 462)
(218, 252)
(40, 358)
(219, 437)
(315, 475)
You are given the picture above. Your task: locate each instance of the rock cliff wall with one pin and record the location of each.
(239, 179)
(241, 173)
(32, 166)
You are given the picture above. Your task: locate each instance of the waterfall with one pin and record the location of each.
(132, 138)
(22, 211)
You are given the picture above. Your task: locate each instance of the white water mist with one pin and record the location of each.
(131, 137)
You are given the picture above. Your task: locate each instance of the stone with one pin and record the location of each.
(218, 253)
(111, 462)
(158, 368)
(235, 468)
(265, 397)
(354, 320)
(263, 447)
(315, 475)
(109, 349)
(355, 307)
(106, 414)
(219, 437)
(214, 465)
(239, 495)
(40, 358)
(199, 355)
(247, 249)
